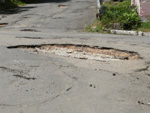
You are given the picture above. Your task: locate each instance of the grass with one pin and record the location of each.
(11, 4)
(16, 3)
(120, 16)
(95, 27)
(145, 27)
(120, 13)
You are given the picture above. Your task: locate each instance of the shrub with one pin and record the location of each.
(10, 4)
(130, 21)
(17, 2)
(122, 13)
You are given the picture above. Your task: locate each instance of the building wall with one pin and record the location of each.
(143, 7)
(136, 3)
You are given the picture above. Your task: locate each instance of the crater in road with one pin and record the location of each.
(3, 24)
(62, 6)
(81, 51)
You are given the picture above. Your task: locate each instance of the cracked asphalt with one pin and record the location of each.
(36, 83)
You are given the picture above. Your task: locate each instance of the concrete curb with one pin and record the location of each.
(146, 34)
(134, 33)
(123, 32)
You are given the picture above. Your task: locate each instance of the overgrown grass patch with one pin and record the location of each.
(145, 27)
(15, 3)
(11, 4)
(121, 13)
(95, 27)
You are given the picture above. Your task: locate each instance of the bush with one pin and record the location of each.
(122, 13)
(10, 4)
(17, 2)
(130, 21)
(146, 25)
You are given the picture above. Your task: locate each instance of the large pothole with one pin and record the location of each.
(81, 51)
(62, 6)
(3, 24)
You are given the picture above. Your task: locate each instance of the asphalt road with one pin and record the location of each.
(37, 83)
(56, 16)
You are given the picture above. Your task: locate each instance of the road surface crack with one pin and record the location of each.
(30, 37)
(142, 69)
(20, 75)
(24, 77)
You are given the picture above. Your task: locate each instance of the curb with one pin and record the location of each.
(146, 34)
(134, 33)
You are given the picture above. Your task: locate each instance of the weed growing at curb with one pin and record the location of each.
(119, 16)
(95, 27)
(11, 4)
(145, 27)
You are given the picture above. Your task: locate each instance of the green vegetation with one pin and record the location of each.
(119, 15)
(11, 4)
(15, 3)
(95, 27)
(145, 27)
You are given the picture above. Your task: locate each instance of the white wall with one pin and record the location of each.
(143, 7)
(136, 3)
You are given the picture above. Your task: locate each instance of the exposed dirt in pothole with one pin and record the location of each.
(82, 51)
(62, 6)
(3, 24)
